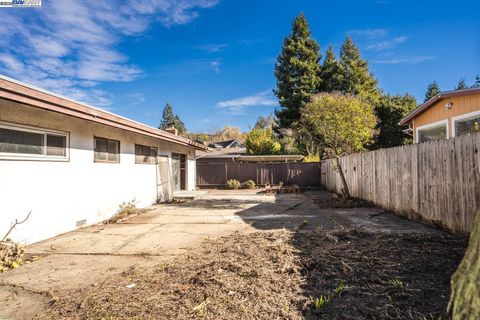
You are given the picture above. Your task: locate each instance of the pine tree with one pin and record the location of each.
(297, 71)
(169, 117)
(461, 84)
(432, 90)
(389, 111)
(477, 82)
(330, 73)
(265, 122)
(179, 125)
(356, 77)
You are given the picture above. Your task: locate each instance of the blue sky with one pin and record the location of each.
(213, 60)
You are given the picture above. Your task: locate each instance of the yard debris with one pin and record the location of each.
(282, 188)
(12, 256)
(283, 275)
(126, 210)
(14, 224)
(337, 201)
(11, 253)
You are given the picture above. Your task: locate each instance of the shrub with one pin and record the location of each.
(125, 209)
(249, 184)
(260, 141)
(233, 184)
(311, 158)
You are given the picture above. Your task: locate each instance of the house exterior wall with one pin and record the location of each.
(61, 194)
(437, 113)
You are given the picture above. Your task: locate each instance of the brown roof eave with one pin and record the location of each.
(24, 94)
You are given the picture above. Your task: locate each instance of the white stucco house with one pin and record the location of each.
(72, 164)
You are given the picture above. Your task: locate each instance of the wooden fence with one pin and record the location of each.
(299, 173)
(434, 181)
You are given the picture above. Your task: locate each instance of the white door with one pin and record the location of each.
(176, 176)
(164, 185)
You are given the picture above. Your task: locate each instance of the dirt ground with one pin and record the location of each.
(281, 275)
(240, 255)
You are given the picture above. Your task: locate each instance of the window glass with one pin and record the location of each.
(22, 142)
(145, 154)
(433, 133)
(100, 149)
(113, 154)
(17, 141)
(56, 145)
(468, 125)
(107, 150)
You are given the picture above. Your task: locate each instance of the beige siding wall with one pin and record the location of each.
(438, 112)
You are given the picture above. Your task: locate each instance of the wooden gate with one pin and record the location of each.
(304, 174)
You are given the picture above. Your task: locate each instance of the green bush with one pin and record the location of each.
(249, 184)
(261, 141)
(233, 184)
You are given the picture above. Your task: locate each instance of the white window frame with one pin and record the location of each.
(432, 125)
(461, 117)
(39, 130)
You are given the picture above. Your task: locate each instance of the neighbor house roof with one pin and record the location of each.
(432, 101)
(225, 144)
(17, 91)
(240, 154)
(276, 158)
(226, 153)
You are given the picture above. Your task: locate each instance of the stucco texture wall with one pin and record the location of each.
(59, 194)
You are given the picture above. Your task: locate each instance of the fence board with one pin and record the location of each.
(435, 181)
(299, 173)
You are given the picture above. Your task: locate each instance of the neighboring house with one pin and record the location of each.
(229, 144)
(72, 165)
(446, 115)
(239, 155)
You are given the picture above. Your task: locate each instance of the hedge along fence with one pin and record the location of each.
(434, 181)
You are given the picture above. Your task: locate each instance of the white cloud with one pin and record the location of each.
(212, 47)
(238, 105)
(71, 46)
(215, 64)
(136, 98)
(408, 60)
(378, 38)
(371, 33)
(387, 44)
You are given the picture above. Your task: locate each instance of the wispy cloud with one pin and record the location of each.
(212, 47)
(237, 106)
(407, 60)
(71, 47)
(136, 98)
(371, 33)
(215, 64)
(387, 44)
(248, 42)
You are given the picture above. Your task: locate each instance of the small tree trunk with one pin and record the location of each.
(465, 298)
(345, 191)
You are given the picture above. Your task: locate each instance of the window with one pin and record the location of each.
(432, 132)
(467, 123)
(23, 142)
(107, 150)
(145, 154)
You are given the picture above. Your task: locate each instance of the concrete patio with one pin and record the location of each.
(87, 256)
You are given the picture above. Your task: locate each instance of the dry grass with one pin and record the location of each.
(282, 275)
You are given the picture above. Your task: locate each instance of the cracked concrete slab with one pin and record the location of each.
(87, 256)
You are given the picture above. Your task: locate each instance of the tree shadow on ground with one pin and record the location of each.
(388, 269)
